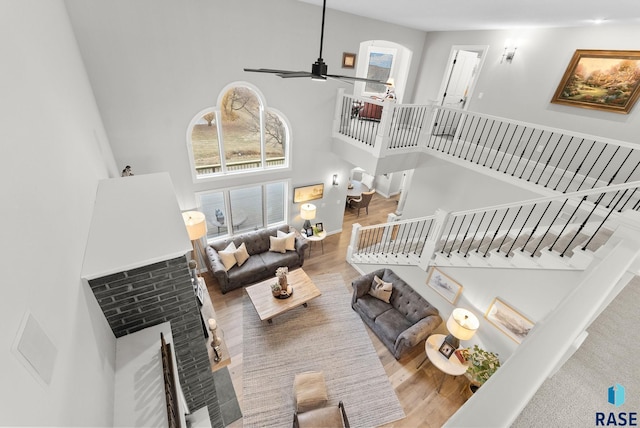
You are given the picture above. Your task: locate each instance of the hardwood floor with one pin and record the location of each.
(415, 388)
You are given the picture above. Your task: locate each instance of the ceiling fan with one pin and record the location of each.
(318, 68)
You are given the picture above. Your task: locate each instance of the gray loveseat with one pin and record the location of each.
(400, 324)
(261, 264)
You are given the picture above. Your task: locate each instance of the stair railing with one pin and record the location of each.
(556, 159)
(557, 223)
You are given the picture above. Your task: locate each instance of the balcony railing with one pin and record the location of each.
(555, 159)
(381, 127)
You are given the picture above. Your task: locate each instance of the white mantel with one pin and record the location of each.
(136, 222)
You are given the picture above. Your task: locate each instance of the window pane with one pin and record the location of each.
(246, 208)
(212, 206)
(241, 128)
(275, 135)
(379, 69)
(275, 203)
(204, 143)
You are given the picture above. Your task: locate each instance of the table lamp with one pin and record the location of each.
(462, 325)
(307, 212)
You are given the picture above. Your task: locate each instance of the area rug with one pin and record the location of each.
(326, 336)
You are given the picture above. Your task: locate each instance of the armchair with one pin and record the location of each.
(362, 201)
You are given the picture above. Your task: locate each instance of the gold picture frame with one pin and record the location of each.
(308, 193)
(508, 320)
(601, 80)
(348, 60)
(444, 285)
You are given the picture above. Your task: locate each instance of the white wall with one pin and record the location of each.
(155, 64)
(54, 151)
(438, 184)
(523, 89)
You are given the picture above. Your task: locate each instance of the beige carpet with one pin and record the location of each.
(326, 336)
(578, 390)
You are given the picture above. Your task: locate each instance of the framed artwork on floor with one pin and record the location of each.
(601, 80)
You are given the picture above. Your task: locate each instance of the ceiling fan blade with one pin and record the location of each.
(269, 70)
(295, 74)
(358, 79)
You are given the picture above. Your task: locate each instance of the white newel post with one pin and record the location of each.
(354, 241)
(432, 241)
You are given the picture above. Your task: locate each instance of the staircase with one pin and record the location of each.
(559, 232)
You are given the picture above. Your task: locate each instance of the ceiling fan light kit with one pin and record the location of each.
(319, 70)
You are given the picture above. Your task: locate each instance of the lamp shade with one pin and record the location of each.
(462, 324)
(308, 211)
(196, 224)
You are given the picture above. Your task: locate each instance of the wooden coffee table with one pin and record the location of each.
(268, 306)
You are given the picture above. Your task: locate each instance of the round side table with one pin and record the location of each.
(448, 366)
(319, 237)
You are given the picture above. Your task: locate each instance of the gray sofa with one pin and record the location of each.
(402, 323)
(261, 264)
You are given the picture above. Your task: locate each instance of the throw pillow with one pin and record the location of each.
(309, 390)
(380, 289)
(290, 240)
(227, 256)
(278, 245)
(241, 254)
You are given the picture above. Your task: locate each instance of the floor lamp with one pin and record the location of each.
(196, 224)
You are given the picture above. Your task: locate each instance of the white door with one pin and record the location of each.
(464, 64)
(456, 90)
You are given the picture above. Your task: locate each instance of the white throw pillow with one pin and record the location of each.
(380, 289)
(241, 254)
(290, 240)
(228, 257)
(278, 245)
(367, 180)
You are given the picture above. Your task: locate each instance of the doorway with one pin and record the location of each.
(458, 82)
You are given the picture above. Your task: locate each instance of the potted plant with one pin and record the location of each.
(276, 289)
(482, 365)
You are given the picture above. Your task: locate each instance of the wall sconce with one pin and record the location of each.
(509, 51)
(335, 179)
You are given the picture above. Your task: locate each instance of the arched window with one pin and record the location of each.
(238, 135)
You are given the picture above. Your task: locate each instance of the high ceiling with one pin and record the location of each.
(448, 15)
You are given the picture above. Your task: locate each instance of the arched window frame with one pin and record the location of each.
(224, 171)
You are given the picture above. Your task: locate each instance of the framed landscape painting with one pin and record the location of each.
(601, 80)
(508, 320)
(445, 286)
(308, 193)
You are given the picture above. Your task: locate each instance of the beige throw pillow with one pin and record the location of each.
(278, 245)
(380, 289)
(241, 254)
(290, 240)
(227, 256)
